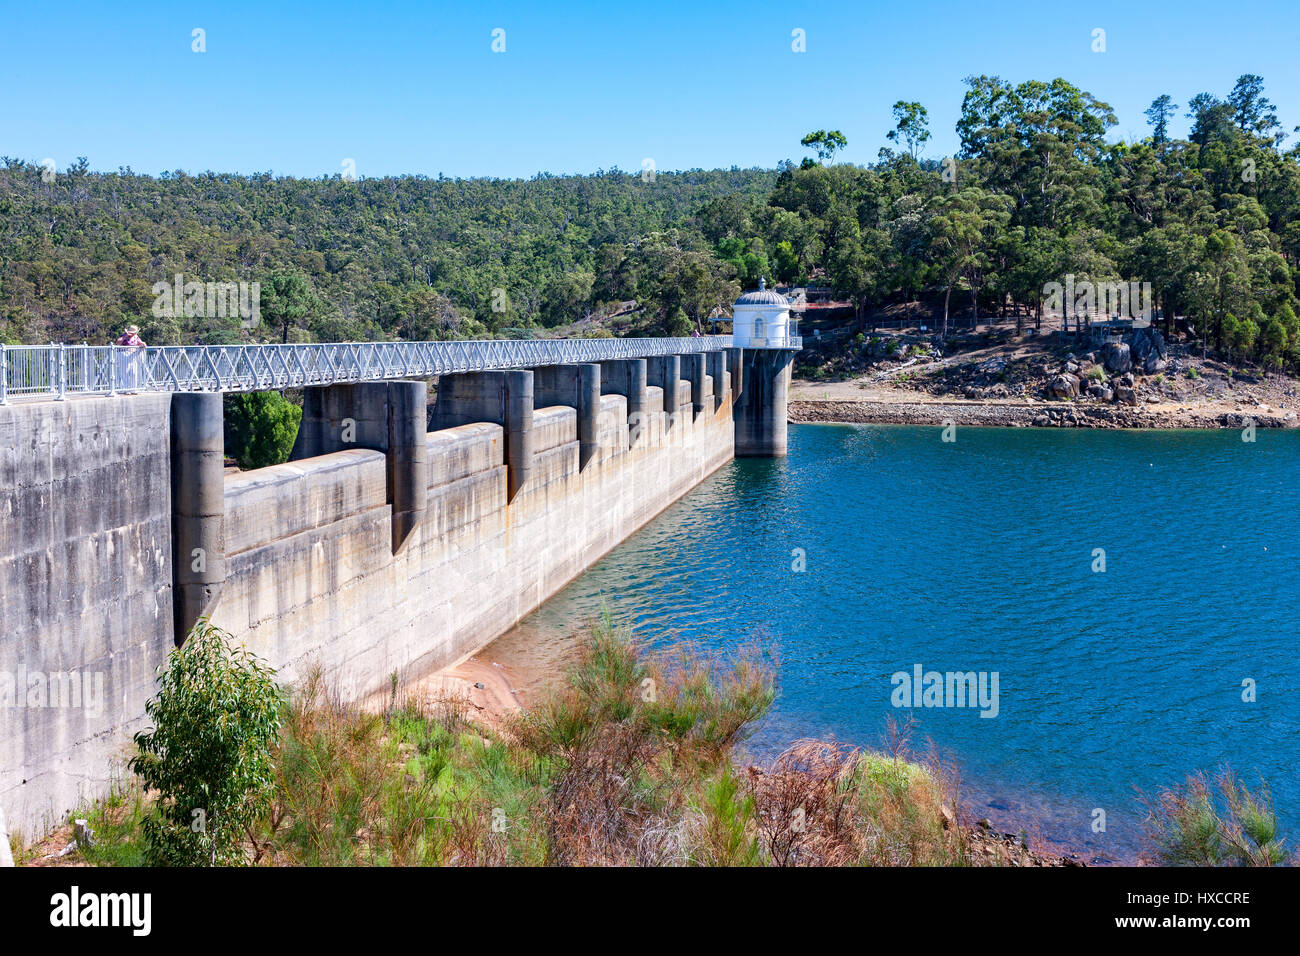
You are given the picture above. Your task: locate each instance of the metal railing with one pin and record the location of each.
(775, 342)
(60, 370)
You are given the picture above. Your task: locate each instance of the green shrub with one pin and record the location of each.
(726, 835)
(678, 324)
(1214, 823)
(260, 428)
(215, 719)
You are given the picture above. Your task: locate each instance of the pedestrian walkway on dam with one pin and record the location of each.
(59, 371)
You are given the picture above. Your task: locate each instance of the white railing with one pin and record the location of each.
(60, 370)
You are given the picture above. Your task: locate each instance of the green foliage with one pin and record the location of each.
(679, 323)
(1037, 192)
(728, 837)
(117, 823)
(825, 144)
(216, 719)
(260, 428)
(911, 126)
(399, 257)
(288, 301)
(1214, 823)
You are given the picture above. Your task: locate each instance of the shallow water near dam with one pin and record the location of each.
(979, 555)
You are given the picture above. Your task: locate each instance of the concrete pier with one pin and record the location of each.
(579, 387)
(760, 410)
(382, 416)
(408, 457)
(665, 371)
(198, 506)
(627, 377)
(736, 364)
(716, 368)
(505, 398)
(693, 372)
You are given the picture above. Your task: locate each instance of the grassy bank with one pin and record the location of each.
(633, 760)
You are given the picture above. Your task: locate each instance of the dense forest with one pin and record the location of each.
(407, 257)
(1036, 193)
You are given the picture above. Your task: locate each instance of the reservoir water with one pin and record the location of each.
(982, 554)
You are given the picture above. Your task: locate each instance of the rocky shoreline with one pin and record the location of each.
(1002, 380)
(1025, 415)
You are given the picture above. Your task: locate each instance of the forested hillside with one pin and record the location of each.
(1036, 194)
(403, 257)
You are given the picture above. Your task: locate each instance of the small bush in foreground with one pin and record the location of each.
(633, 760)
(209, 756)
(1217, 822)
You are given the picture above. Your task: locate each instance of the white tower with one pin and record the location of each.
(761, 320)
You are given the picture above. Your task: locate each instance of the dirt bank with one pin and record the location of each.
(898, 410)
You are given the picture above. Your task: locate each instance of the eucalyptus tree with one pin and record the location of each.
(964, 224)
(1158, 115)
(825, 144)
(911, 126)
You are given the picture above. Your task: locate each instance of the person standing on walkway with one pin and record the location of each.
(130, 359)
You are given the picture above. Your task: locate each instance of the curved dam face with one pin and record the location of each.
(313, 577)
(403, 536)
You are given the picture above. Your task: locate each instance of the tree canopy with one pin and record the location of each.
(1037, 191)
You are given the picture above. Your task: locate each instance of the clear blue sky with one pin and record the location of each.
(415, 88)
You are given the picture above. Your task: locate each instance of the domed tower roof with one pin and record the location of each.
(763, 296)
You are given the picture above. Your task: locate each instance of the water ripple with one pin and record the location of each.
(978, 555)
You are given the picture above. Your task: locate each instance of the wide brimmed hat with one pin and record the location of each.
(132, 329)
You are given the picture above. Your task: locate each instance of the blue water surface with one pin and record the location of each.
(980, 555)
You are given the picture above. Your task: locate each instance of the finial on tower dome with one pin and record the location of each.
(762, 283)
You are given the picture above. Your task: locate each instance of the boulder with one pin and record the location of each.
(1144, 343)
(1154, 363)
(1117, 357)
(1126, 394)
(1064, 386)
(1102, 392)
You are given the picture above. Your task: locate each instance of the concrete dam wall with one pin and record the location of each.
(85, 594)
(401, 537)
(317, 583)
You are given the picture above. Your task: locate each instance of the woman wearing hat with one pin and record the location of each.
(130, 359)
